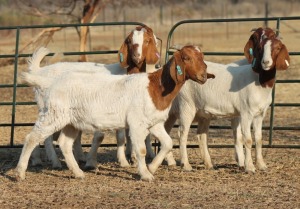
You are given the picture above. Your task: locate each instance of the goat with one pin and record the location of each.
(91, 101)
(138, 51)
(241, 93)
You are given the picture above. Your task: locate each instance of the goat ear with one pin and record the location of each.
(152, 55)
(179, 65)
(123, 54)
(283, 59)
(249, 47)
(209, 75)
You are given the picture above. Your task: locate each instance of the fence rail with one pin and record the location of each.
(169, 52)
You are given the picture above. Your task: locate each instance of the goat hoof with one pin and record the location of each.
(250, 171)
(262, 167)
(171, 162)
(79, 175)
(89, 167)
(210, 167)
(57, 166)
(124, 164)
(186, 167)
(148, 177)
(19, 175)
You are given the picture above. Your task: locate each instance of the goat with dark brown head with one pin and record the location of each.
(139, 49)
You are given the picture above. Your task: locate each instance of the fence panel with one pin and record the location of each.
(215, 36)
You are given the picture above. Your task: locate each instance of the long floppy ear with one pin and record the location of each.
(248, 51)
(123, 55)
(179, 67)
(152, 55)
(283, 59)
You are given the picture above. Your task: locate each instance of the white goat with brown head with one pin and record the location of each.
(138, 50)
(241, 93)
(92, 101)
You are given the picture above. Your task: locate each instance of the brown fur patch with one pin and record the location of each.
(143, 152)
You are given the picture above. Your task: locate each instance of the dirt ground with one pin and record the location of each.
(111, 186)
(114, 187)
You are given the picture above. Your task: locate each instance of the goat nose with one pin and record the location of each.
(266, 62)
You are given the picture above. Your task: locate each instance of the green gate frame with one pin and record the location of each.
(273, 104)
(169, 52)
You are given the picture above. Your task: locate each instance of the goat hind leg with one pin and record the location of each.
(246, 132)
(91, 158)
(238, 142)
(51, 154)
(66, 139)
(78, 151)
(122, 135)
(202, 132)
(31, 141)
(257, 127)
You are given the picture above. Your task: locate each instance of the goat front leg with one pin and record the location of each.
(122, 136)
(257, 128)
(238, 142)
(51, 154)
(91, 158)
(202, 132)
(185, 124)
(246, 132)
(36, 156)
(138, 135)
(66, 139)
(166, 142)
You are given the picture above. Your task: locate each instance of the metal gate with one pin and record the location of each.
(16, 55)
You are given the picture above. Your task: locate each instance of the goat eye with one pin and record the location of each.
(186, 59)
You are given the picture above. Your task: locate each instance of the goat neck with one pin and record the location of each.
(133, 68)
(164, 86)
(165, 83)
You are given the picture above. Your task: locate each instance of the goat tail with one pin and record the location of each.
(37, 57)
(35, 80)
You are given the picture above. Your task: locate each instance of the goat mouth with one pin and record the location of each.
(201, 81)
(266, 67)
(137, 61)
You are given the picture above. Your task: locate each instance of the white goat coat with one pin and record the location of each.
(240, 93)
(94, 101)
(234, 93)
